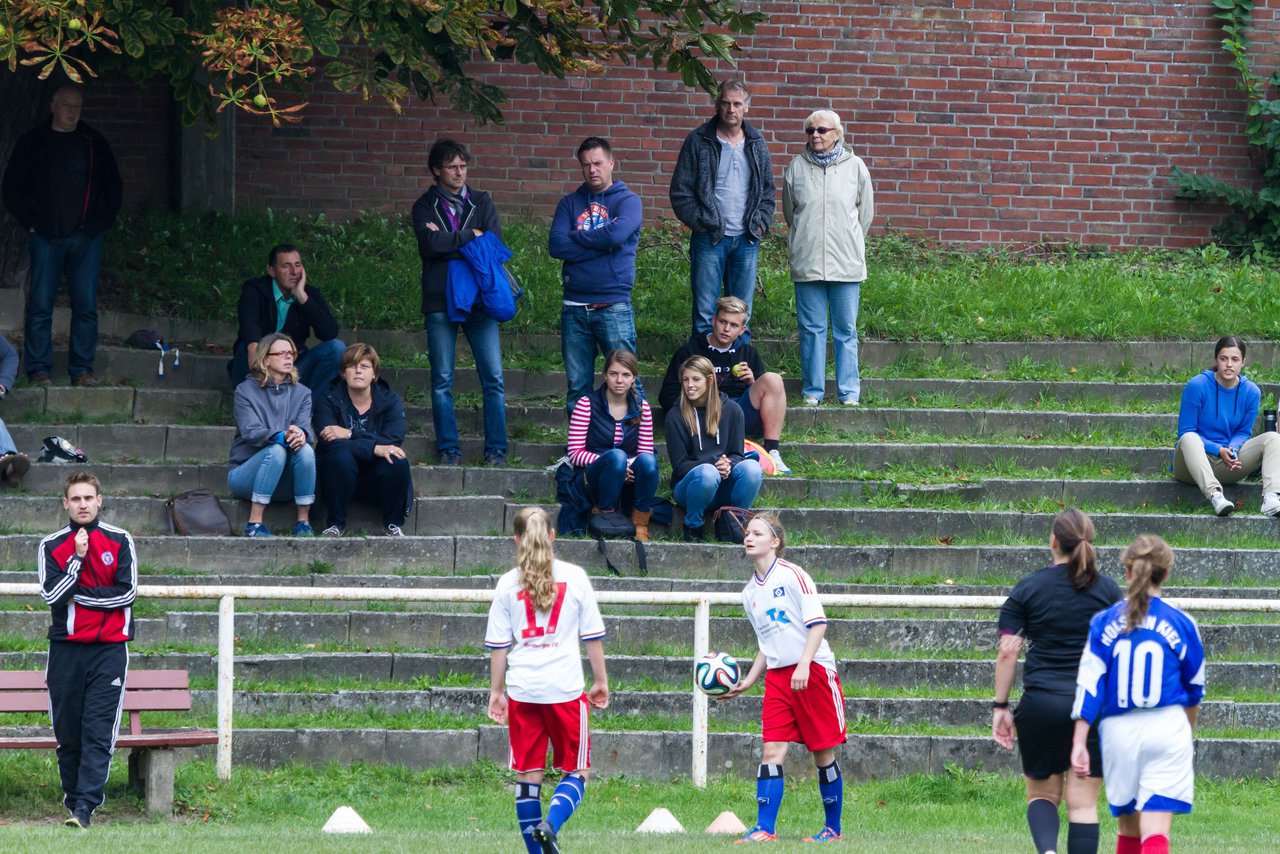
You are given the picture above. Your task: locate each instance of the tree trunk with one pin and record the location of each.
(23, 98)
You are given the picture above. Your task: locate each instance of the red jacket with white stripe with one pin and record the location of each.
(91, 597)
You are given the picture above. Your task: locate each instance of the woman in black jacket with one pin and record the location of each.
(361, 425)
(704, 445)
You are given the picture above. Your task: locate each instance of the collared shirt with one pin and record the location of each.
(732, 176)
(283, 303)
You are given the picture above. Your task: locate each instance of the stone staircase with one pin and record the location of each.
(944, 482)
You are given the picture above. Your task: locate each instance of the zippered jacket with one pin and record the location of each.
(29, 177)
(829, 211)
(90, 598)
(438, 248)
(256, 312)
(478, 282)
(693, 183)
(384, 424)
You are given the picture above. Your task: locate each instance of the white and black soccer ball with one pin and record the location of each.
(716, 674)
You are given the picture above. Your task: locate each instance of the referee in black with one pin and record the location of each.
(88, 577)
(1050, 610)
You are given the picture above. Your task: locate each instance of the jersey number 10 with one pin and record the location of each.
(1139, 673)
(532, 629)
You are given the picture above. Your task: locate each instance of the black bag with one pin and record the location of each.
(610, 525)
(730, 524)
(197, 513)
(145, 339)
(56, 449)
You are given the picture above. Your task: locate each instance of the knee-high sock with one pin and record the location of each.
(1128, 844)
(564, 800)
(1156, 844)
(769, 789)
(831, 787)
(1082, 838)
(529, 813)
(1042, 818)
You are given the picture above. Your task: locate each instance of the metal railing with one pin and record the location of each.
(701, 602)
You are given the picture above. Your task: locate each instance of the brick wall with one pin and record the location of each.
(982, 121)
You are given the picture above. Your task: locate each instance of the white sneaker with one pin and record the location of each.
(784, 469)
(849, 401)
(1271, 504)
(331, 531)
(811, 401)
(393, 531)
(1222, 506)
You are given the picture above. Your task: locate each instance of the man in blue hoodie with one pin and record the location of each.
(595, 233)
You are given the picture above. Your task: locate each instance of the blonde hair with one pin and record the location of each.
(702, 365)
(534, 558)
(1147, 561)
(774, 525)
(258, 370)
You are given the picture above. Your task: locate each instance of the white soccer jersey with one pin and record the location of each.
(782, 606)
(545, 662)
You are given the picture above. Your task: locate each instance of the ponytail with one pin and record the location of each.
(534, 558)
(1074, 532)
(1146, 561)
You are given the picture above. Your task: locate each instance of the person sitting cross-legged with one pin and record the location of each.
(360, 423)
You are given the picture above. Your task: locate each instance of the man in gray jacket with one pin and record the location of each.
(722, 188)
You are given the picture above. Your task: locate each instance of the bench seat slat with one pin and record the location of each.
(187, 738)
(26, 680)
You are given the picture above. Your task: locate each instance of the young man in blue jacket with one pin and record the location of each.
(595, 233)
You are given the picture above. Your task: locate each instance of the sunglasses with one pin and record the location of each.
(823, 131)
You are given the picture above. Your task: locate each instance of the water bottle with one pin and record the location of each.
(1269, 420)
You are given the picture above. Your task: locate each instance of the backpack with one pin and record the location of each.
(610, 525)
(730, 524)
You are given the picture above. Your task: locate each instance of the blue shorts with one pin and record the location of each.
(752, 425)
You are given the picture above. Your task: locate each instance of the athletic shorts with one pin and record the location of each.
(566, 726)
(1148, 761)
(752, 426)
(813, 717)
(1045, 729)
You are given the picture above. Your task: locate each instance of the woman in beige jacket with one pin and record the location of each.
(827, 201)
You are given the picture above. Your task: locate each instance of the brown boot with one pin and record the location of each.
(640, 518)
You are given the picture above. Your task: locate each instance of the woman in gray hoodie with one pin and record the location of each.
(273, 432)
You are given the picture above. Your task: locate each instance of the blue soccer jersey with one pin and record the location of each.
(1160, 663)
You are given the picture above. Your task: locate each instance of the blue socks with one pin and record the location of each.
(565, 800)
(831, 787)
(529, 813)
(769, 790)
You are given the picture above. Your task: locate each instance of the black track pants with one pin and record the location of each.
(86, 694)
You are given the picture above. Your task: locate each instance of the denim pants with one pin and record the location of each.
(344, 479)
(729, 265)
(77, 256)
(584, 332)
(316, 369)
(607, 477)
(260, 478)
(702, 491)
(6, 441)
(442, 345)
(814, 302)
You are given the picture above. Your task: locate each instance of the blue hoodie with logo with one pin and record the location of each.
(596, 235)
(1222, 417)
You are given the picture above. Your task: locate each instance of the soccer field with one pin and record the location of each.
(471, 811)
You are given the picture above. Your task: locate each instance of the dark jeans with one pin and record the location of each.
(607, 477)
(584, 332)
(86, 689)
(78, 257)
(344, 479)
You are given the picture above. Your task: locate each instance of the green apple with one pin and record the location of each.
(75, 24)
(260, 100)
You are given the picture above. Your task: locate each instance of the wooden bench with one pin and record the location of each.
(151, 757)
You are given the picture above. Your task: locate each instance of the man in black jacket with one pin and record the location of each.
(63, 187)
(282, 301)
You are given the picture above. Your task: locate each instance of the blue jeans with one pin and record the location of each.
(702, 491)
(814, 301)
(260, 478)
(316, 369)
(607, 476)
(729, 265)
(442, 345)
(583, 333)
(6, 441)
(77, 256)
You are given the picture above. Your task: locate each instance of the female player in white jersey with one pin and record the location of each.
(802, 697)
(541, 609)
(1142, 678)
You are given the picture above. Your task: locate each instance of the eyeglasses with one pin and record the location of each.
(288, 353)
(823, 131)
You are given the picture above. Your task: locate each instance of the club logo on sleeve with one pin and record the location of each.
(107, 559)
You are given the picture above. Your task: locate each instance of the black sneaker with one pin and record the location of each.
(450, 458)
(695, 535)
(496, 460)
(546, 837)
(79, 818)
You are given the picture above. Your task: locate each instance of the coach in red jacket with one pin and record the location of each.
(89, 577)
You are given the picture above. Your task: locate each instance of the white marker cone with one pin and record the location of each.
(345, 820)
(727, 823)
(661, 821)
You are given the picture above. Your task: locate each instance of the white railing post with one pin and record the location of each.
(701, 646)
(226, 681)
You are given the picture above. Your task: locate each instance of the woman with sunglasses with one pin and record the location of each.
(827, 202)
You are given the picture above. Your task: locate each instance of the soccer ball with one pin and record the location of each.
(716, 674)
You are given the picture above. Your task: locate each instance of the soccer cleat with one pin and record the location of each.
(757, 834)
(256, 529)
(546, 837)
(1271, 504)
(303, 529)
(781, 467)
(331, 531)
(1222, 506)
(393, 531)
(824, 835)
(811, 401)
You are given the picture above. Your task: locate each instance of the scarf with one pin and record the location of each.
(825, 160)
(453, 206)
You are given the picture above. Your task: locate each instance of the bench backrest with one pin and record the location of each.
(144, 691)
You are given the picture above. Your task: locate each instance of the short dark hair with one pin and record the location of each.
(593, 142)
(444, 150)
(81, 476)
(281, 249)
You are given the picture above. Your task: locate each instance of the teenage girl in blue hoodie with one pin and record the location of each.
(1215, 422)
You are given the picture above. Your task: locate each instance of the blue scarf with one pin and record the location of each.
(825, 160)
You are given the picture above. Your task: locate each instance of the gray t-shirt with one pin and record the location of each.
(731, 186)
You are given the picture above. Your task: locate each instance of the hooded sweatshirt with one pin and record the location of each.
(687, 451)
(261, 412)
(596, 235)
(1222, 417)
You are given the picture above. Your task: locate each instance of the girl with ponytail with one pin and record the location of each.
(540, 610)
(1141, 681)
(1050, 610)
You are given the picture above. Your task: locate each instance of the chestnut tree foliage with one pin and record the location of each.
(260, 56)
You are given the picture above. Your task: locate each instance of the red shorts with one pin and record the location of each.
(566, 725)
(813, 717)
